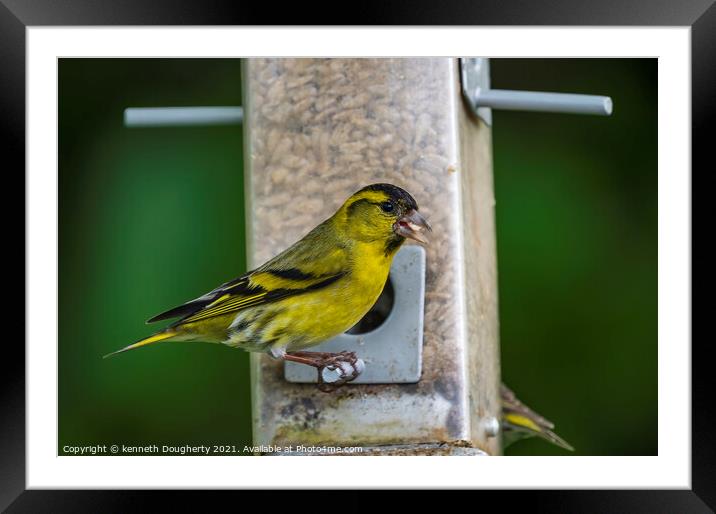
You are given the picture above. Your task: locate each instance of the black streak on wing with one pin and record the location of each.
(181, 310)
(279, 294)
(291, 274)
(271, 296)
(187, 309)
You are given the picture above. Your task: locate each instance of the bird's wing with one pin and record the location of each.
(517, 426)
(519, 421)
(308, 265)
(258, 289)
(192, 306)
(511, 405)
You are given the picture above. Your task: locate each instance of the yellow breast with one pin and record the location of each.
(325, 314)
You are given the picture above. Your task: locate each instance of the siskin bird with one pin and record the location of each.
(519, 422)
(316, 289)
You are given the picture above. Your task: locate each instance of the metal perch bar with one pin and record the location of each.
(547, 102)
(182, 116)
(475, 81)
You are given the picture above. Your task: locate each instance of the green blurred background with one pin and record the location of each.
(155, 216)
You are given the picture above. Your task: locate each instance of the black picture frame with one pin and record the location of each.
(16, 15)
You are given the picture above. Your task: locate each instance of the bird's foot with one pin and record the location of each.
(334, 369)
(339, 369)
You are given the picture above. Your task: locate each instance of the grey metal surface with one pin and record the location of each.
(182, 116)
(392, 352)
(548, 102)
(475, 77)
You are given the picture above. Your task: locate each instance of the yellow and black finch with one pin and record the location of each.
(316, 289)
(319, 288)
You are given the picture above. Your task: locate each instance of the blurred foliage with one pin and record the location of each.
(151, 217)
(577, 254)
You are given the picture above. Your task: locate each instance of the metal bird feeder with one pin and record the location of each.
(316, 131)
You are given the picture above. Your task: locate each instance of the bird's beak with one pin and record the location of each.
(411, 225)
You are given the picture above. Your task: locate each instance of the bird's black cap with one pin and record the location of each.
(396, 193)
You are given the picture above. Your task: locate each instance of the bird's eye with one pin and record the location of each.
(387, 206)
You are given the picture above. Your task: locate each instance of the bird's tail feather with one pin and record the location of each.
(553, 438)
(161, 336)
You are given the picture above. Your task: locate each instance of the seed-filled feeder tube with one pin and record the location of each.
(317, 131)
